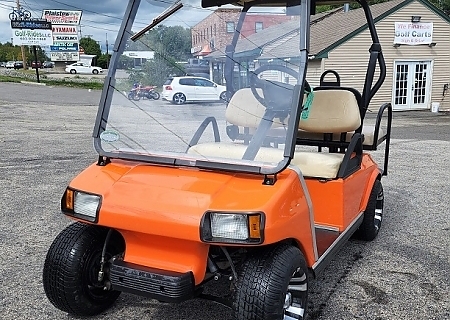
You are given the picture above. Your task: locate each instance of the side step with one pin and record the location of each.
(330, 242)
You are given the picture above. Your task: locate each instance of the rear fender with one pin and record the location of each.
(376, 175)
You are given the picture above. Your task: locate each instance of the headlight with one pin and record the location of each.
(81, 205)
(231, 226)
(222, 227)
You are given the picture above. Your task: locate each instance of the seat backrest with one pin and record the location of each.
(333, 110)
(244, 110)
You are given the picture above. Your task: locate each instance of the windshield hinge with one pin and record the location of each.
(270, 179)
(103, 161)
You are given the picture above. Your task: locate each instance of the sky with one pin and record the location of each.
(100, 19)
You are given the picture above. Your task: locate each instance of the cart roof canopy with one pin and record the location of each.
(269, 3)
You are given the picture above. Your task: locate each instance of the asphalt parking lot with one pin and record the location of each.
(45, 140)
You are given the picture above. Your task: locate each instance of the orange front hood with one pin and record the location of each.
(170, 201)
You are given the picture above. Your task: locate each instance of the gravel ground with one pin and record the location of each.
(45, 139)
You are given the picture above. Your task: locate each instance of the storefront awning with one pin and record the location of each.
(205, 50)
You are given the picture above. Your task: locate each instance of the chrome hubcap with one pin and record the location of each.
(379, 210)
(287, 300)
(295, 299)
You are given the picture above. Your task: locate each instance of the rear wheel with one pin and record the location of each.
(179, 98)
(272, 284)
(373, 216)
(71, 269)
(95, 71)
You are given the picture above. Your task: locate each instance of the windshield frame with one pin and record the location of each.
(190, 161)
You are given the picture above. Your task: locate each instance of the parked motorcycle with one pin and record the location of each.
(134, 94)
(144, 92)
(149, 92)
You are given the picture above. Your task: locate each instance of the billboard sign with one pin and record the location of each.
(64, 29)
(32, 37)
(31, 24)
(64, 56)
(68, 17)
(68, 38)
(413, 33)
(64, 47)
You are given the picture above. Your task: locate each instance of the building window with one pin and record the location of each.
(258, 26)
(215, 30)
(230, 26)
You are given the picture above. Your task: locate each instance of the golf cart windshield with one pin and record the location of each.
(194, 89)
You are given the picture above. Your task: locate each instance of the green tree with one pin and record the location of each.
(41, 55)
(444, 5)
(155, 71)
(103, 61)
(90, 46)
(173, 41)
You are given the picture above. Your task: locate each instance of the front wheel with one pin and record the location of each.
(272, 284)
(95, 71)
(73, 71)
(71, 269)
(223, 97)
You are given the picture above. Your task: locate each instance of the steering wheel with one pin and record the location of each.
(277, 95)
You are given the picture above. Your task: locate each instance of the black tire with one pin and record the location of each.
(373, 215)
(223, 97)
(155, 95)
(70, 274)
(179, 98)
(272, 284)
(95, 71)
(73, 71)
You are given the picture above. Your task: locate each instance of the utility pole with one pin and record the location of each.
(22, 48)
(107, 51)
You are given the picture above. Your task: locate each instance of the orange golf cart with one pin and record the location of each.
(261, 191)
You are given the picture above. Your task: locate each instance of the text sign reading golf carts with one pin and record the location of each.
(32, 37)
(71, 17)
(409, 33)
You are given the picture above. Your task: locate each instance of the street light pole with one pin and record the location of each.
(22, 48)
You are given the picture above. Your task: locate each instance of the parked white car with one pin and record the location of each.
(80, 67)
(179, 90)
(10, 64)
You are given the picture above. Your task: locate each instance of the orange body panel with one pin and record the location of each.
(338, 202)
(158, 209)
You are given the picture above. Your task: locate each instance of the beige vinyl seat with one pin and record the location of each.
(244, 110)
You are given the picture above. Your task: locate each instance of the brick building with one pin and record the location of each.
(216, 30)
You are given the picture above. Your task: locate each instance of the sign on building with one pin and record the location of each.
(413, 33)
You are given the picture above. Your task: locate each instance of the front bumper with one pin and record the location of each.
(166, 286)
